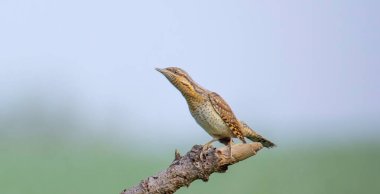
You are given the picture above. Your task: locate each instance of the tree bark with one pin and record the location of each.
(192, 166)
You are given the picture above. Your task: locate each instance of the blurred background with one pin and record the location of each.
(82, 109)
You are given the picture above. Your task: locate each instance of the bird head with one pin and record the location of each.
(180, 79)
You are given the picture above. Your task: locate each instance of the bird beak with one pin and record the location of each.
(166, 73)
(159, 70)
(163, 71)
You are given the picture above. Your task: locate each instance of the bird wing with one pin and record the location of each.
(225, 112)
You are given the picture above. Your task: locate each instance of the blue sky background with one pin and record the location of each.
(297, 71)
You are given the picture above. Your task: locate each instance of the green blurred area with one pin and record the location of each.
(34, 167)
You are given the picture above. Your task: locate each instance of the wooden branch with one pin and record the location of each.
(190, 167)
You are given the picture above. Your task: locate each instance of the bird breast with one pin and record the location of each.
(209, 120)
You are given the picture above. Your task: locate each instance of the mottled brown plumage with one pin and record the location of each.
(225, 112)
(210, 111)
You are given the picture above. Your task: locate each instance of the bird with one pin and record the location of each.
(211, 111)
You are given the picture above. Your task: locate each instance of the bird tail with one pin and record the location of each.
(258, 138)
(253, 136)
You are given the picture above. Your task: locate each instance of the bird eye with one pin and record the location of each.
(175, 71)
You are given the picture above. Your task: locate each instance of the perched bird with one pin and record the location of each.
(211, 112)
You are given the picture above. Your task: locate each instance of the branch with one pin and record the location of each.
(190, 167)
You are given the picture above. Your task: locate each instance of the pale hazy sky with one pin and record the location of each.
(292, 69)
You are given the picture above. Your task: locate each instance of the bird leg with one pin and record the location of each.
(206, 146)
(230, 147)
